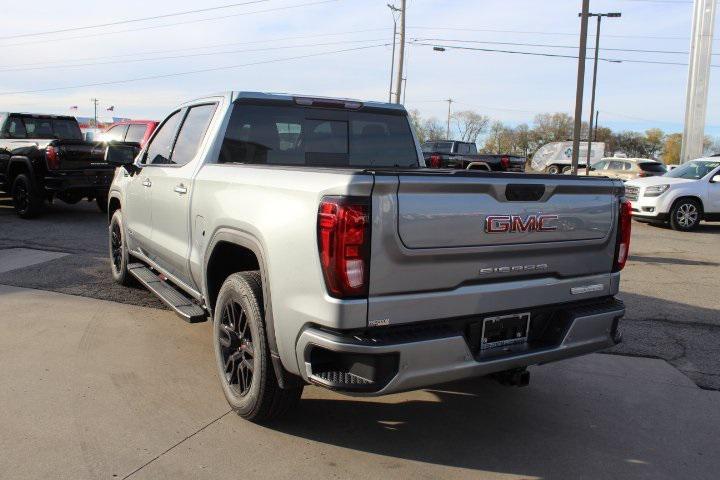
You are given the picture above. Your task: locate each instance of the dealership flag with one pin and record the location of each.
(74, 107)
(111, 108)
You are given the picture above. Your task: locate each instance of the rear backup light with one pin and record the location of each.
(505, 162)
(52, 157)
(435, 161)
(344, 245)
(622, 250)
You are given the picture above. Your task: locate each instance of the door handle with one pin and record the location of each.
(181, 189)
(147, 183)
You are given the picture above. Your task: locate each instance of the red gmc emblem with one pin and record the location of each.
(516, 223)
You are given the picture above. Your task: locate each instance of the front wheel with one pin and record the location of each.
(685, 215)
(119, 256)
(243, 355)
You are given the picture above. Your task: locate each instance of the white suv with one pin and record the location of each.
(683, 196)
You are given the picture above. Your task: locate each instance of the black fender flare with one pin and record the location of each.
(249, 241)
(27, 164)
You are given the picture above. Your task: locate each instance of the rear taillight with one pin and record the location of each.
(505, 162)
(344, 245)
(622, 249)
(435, 161)
(52, 157)
(643, 174)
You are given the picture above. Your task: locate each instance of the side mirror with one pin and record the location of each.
(715, 179)
(122, 154)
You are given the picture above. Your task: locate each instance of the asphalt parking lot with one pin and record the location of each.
(103, 382)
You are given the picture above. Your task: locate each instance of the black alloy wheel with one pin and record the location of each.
(237, 348)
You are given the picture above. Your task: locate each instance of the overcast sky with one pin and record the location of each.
(509, 87)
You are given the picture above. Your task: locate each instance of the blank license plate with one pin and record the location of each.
(505, 330)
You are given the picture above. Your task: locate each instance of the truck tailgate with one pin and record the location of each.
(79, 155)
(450, 244)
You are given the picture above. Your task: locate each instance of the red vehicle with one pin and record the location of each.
(137, 131)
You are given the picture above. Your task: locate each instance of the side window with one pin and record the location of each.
(16, 128)
(136, 132)
(116, 133)
(191, 133)
(627, 166)
(160, 148)
(615, 165)
(463, 149)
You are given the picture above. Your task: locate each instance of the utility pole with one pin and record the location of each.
(450, 101)
(401, 55)
(594, 82)
(95, 102)
(597, 114)
(698, 80)
(393, 9)
(580, 85)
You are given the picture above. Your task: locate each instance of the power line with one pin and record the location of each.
(191, 72)
(518, 44)
(214, 45)
(495, 50)
(555, 55)
(149, 27)
(536, 32)
(132, 20)
(191, 55)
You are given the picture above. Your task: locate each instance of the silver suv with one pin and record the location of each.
(325, 252)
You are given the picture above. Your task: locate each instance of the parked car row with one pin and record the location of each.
(464, 155)
(44, 158)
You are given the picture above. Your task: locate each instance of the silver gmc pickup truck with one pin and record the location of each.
(325, 252)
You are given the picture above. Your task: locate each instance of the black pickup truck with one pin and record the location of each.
(464, 155)
(44, 157)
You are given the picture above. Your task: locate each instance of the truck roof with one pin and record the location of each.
(37, 115)
(290, 97)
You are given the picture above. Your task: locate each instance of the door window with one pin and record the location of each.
(136, 132)
(160, 148)
(191, 133)
(615, 165)
(115, 134)
(16, 128)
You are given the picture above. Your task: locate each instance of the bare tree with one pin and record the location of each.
(470, 125)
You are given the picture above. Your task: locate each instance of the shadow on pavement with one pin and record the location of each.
(563, 427)
(686, 336)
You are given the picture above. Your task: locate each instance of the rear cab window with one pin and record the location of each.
(652, 167)
(45, 127)
(308, 136)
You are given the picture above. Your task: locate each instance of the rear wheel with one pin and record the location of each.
(553, 169)
(26, 200)
(243, 355)
(102, 202)
(685, 214)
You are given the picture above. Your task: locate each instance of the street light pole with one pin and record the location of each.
(594, 82)
(447, 136)
(95, 102)
(580, 85)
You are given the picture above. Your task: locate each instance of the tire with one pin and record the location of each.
(119, 256)
(26, 200)
(102, 202)
(685, 215)
(553, 169)
(242, 353)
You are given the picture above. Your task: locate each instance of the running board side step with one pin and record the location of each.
(180, 303)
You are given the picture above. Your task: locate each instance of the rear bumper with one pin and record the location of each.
(409, 359)
(89, 180)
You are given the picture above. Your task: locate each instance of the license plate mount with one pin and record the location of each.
(504, 330)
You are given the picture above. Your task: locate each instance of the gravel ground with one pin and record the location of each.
(670, 285)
